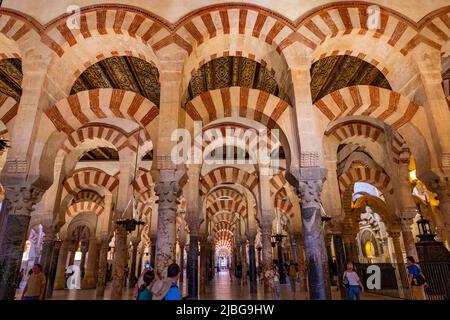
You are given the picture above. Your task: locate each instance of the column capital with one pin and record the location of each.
(309, 192)
(22, 199)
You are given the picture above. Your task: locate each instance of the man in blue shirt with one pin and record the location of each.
(173, 273)
(416, 279)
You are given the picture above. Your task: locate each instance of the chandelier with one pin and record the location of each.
(278, 236)
(130, 224)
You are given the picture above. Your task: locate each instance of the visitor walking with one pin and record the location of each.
(276, 281)
(352, 282)
(292, 274)
(416, 279)
(144, 291)
(167, 289)
(35, 287)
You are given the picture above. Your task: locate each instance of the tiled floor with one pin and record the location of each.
(220, 289)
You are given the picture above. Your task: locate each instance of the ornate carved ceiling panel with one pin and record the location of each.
(336, 72)
(127, 73)
(11, 78)
(232, 71)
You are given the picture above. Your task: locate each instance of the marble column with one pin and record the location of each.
(73, 247)
(17, 207)
(153, 252)
(91, 268)
(119, 262)
(252, 266)
(192, 273)
(302, 268)
(166, 190)
(48, 244)
(51, 275)
(267, 259)
(351, 253)
(60, 279)
(316, 257)
(102, 265)
(281, 268)
(400, 270)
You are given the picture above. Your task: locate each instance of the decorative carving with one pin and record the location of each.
(22, 199)
(445, 160)
(16, 166)
(167, 192)
(309, 192)
(309, 159)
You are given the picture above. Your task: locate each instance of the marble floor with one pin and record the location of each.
(221, 288)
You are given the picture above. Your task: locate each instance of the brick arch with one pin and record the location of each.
(281, 203)
(99, 20)
(143, 184)
(90, 177)
(88, 195)
(436, 27)
(112, 134)
(18, 28)
(214, 204)
(385, 105)
(228, 175)
(345, 131)
(79, 109)
(8, 111)
(226, 216)
(84, 206)
(373, 176)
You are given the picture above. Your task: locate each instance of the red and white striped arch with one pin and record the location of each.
(228, 175)
(88, 195)
(8, 111)
(17, 33)
(389, 106)
(97, 21)
(68, 115)
(90, 178)
(373, 176)
(347, 130)
(436, 27)
(227, 206)
(84, 206)
(144, 185)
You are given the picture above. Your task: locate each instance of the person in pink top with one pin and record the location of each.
(352, 283)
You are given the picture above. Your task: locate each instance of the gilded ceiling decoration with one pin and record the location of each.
(127, 73)
(229, 72)
(101, 154)
(11, 78)
(336, 72)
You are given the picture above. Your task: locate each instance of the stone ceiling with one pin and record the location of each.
(127, 73)
(11, 78)
(336, 72)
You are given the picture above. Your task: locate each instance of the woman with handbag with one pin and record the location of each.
(416, 279)
(352, 282)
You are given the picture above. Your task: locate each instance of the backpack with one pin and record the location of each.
(345, 281)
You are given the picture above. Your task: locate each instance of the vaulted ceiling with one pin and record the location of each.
(109, 154)
(232, 71)
(11, 78)
(336, 72)
(127, 73)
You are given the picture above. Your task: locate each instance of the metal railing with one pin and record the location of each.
(394, 282)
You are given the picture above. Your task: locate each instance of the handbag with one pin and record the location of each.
(345, 281)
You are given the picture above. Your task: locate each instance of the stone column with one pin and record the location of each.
(60, 279)
(267, 259)
(166, 189)
(132, 276)
(48, 244)
(252, 265)
(119, 263)
(92, 263)
(244, 262)
(408, 238)
(102, 265)
(302, 267)
(17, 207)
(351, 253)
(192, 273)
(153, 252)
(182, 262)
(73, 247)
(51, 276)
(281, 269)
(340, 259)
(84, 246)
(400, 270)
(202, 264)
(309, 192)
